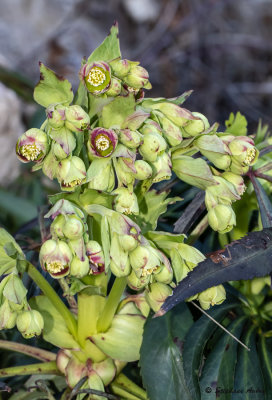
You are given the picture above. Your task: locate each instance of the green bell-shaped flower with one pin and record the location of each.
(30, 323)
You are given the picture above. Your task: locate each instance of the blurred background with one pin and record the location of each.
(219, 48)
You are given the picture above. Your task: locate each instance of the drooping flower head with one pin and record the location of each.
(55, 258)
(102, 142)
(96, 76)
(32, 145)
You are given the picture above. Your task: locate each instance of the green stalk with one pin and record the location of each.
(47, 289)
(111, 305)
(31, 351)
(142, 188)
(199, 229)
(127, 389)
(48, 368)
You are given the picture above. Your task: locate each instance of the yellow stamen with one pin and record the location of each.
(30, 151)
(74, 183)
(55, 267)
(250, 155)
(102, 142)
(96, 77)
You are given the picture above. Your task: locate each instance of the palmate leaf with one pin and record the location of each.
(236, 124)
(243, 259)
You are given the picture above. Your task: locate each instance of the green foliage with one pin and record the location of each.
(236, 124)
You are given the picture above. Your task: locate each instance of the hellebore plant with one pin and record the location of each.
(106, 146)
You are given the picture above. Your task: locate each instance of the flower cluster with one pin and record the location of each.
(106, 147)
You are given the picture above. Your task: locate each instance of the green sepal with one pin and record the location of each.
(55, 328)
(14, 289)
(123, 339)
(109, 48)
(236, 124)
(52, 88)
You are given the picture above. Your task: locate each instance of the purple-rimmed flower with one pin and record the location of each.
(102, 142)
(32, 146)
(96, 257)
(96, 77)
(55, 258)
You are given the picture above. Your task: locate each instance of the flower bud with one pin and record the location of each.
(125, 171)
(166, 273)
(136, 283)
(56, 116)
(196, 126)
(72, 173)
(32, 146)
(243, 150)
(65, 142)
(221, 218)
(196, 172)
(171, 132)
(56, 228)
(212, 296)
(237, 168)
(79, 268)
(224, 192)
(131, 139)
(212, 147)
(137, 77)
(115, 87)
(7, 316)
(153, 145)
(96, 77)
(128, 242)
(125, 201)
(96, 257)
(156, 295)
(30, 323)
(135, 120)
(143, 170)
(63, 357)
(162, 168)
(236, 180)
(145, 260)
(119, 263)
(55, 258)
(100, 175)
(77, 119)
(73, 227)
(102, 142)
(179, 116)
(120, 68)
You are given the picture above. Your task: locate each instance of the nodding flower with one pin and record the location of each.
(32, 146)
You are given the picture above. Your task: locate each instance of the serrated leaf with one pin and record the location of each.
(264, 203)
(194, 345)
(52, 88)
(248, 373)
(153, 205)
(161, 361)
(243, 259)
(219, 367)
(92, 196)
(109, 49)
(236, 124)
(55, 328)
(115, 113)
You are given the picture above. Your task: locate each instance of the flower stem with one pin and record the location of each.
(47, 289)
(48, 368)
(199, 229)
(127, 389)
(111, 305)
(34, 352)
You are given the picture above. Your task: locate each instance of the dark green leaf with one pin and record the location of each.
(23, 210)
(195, 342)
(218, 371)
(245, 259)
(248, 373)
(160, 361)
(264, 202)
(265, 352)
